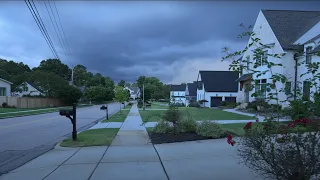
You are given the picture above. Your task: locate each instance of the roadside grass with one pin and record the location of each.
(128, 107)
(118, 117)
(93, 137)
(237, 128)
(15, 112)
(197, 114)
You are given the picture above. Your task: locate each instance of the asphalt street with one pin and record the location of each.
(24, 138)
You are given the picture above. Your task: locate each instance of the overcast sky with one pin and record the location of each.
(168, 39)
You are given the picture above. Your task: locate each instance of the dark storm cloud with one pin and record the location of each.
(123, 39)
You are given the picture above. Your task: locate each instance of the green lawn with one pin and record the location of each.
(237, 128)
(197, 114)
(118, 117)
(128, 107)
(93, 137)
(32, 111)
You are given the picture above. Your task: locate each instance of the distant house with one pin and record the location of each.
(295, 35)
(5, 87)
(133, 92)
(217, 86)
(191, 92)
(178, 93)
(27, 88)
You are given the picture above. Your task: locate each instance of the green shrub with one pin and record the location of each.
(224, 103)
(4, 105)
(297, 109)
(210, 129)
(130, 104)
(254, 104)
(231, 105)
(194, 104)
(162, 127)
(187, 125)
(251, 110)
(172, 115)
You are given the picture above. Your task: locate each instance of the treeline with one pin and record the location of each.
(153, 88)
(52, 77)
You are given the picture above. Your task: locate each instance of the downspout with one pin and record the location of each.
(295, 57)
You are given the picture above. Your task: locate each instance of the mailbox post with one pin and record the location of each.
(105, 108)
(68, 113)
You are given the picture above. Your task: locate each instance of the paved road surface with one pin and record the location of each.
(24, 138)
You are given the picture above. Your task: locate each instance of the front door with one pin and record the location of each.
(246, 92)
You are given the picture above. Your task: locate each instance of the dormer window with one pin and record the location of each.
(308, 55)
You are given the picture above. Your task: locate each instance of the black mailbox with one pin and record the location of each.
(66, 112)
(104, 107)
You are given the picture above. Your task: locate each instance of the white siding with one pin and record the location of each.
(7, 86)
(178, 99)
(31, 91)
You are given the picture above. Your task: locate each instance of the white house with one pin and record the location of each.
(217, 86)
(27, 88)
(178, 93)
(293, 34)
(133, 92)
(191, 92)
(5, 87)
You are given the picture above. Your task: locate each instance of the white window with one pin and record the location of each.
(261, 88)
(308, 55)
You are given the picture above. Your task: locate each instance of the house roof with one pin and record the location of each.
(180, 87)
(316, 49)
(5, 81)
(290, 25)
(244, 77)
(219, 81)
(313, 39)
(192, 87)
(33, 85)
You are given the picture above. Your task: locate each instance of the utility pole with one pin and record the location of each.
(143, 96)
(72, 76)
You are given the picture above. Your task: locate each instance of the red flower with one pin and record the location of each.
(291, 125)
(230, 141)
(306, 120)
(233, 143)
(248, 125)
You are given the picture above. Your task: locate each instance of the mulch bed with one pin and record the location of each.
(160, 138)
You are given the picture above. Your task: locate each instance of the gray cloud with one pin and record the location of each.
(126, 39)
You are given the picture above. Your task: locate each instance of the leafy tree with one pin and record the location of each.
(55, 66)
(69, 94)
(97, 93)
(96, 80)
(80, 75)
(122, 83)
(127, 84)
(121, 95)
(11, 69)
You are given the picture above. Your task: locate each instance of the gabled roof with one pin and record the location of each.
(33, 85)
(5, 81)
(313, 39)
(316, 49)
(219, 81)
(180, 87)
(289, 25)
(192, 87)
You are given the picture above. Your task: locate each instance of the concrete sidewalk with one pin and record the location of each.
(131, 156)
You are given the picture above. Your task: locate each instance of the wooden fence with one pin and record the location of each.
(30, 102)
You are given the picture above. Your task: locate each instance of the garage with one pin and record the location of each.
(231, 99)
(216, 101)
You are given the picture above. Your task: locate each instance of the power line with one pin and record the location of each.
(44, 27)
(57, 32)
(61, 26)
(63, 32)
(41, 29)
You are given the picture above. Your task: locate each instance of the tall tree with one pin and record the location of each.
(10, 69)
(121, 95)
(55, 66)
(122, 83)
(98, 93)
(80, 75)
